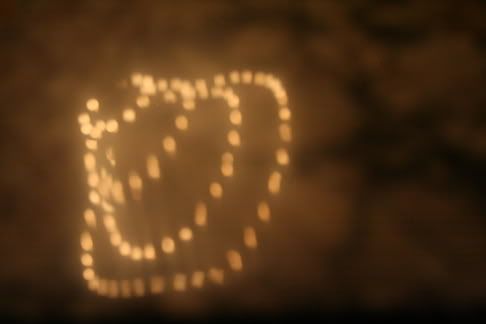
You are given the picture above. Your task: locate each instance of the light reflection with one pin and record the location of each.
(168, 245)
(185, 234)
(263, 211)
(200, 214)
(249, 237)
(153, 169)
(216, 190)
(234, 260)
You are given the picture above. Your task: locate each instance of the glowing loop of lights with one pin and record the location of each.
(103, 185)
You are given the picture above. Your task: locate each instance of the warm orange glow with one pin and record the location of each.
(234, 138)
(246, 76)
(284, 114)
(138, 287)
(136, 184)
(125, 288)
(90, 217)
(112, 126)
(83, 118)
(149, 252)
(235, 117)
(91, 144)
(219, 80)
(156, 284)
(189, 105)
(197, 280)
(89, 161)
(88, 274)
(93, 179)
(285, 132)
(86, 260)
(181, 122)
(216, 275)
(168, 245)
(235, 77)
(125, 248)
(249, 237)
(234, 260)
(282, 156)
(129, 115)
(169, 144)
(153, 169)
(185, 234)
(143, 101)
(180, 282)
(92, 104)
(162, 85)
(263, 211)
(274, 182)
(86, 241)
(115, 239)
(136, 253)
(200, 214)
(109, 222)
(117, 192)
(113, 289)
(216, 190)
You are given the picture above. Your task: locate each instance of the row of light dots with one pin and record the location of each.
(95, 131)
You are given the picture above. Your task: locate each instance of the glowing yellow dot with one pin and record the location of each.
(129, 115)
(93, 284)
(259, 78)
(117, 192)
(83, 118)
(125, 248)
(112, 126)
(227, 169)
(180, 282)
(197, 279)
(234, 138)
(88, 274)
(92, 104)
(143, 101)
(235, 77)
(136, 184)
(282, 156)
(169, 144)
(94, 197)
(93, 179)
(246, 76)
(86, 260)
(181, 122)
(235, 117)
(102, 287)
(90, 217)
(153, 169)
(216, 275)
(86, 129)
(136, 79)
(136, 253)
(263, 211)
(115, 239)
(185, 234)
(101, 125)
(149, 252)
(162, 85)
(86, 241)
(200, 214)
(274, 182)
(109, 222)
(284, 113)
(216, 190)
(188, 105)
(156, 284)
(249, 237)
(168, 245)
(285, 132)
(219, 80)
(89, 161)
(234, 260)
(91, 144)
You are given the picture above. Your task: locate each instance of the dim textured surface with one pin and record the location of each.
(384, 206)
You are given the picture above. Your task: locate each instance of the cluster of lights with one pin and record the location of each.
(106, 192)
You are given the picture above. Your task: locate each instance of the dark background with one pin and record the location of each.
(384, 209)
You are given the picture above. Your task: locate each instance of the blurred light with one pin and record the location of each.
(86, 260)
(274, 182)
(88, 274)
(115, 239)
(112, 126)
(143, 101)
(216, 190)
(216, 275)
(285, 132)
(263, 211)
(235, 77)
(168, 245)
(219, 80)
(200, 214)
(125, 248)
(136, 253)
(149, 252)
(86, 241)
(169, 144)
(185, 234)
(181, 122)
(156, 284)
(138, 287)
(113, 290)
(153, 169)
(234, 260)
(180, 282)
(246, 76)
(234, 138)
(249, 237)
(92, 104)
(90, 217)
(235, 117)
(83, 118)
(125, 288)
(282, 156)
(284, 114)
(197, 280)
(129, 115)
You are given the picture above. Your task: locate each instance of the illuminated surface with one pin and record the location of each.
(107, 193)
